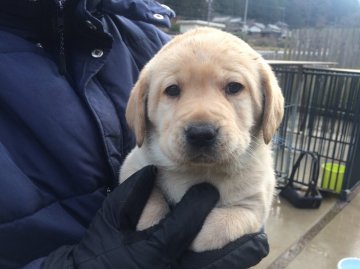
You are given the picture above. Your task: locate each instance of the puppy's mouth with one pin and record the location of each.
(198, 157)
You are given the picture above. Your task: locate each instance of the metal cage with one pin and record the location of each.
(322, 111)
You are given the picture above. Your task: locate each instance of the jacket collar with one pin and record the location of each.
(29, 15)
(140, 10)
(45, 20)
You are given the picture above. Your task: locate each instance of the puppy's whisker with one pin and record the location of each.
(251, 152)
(255, 140)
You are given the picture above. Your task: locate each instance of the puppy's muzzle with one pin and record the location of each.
(201, 135)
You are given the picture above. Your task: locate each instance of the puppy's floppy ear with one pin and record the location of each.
(273, 110)
(136, 108)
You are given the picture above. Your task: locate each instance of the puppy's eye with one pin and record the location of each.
(233, 88)
(173, 90)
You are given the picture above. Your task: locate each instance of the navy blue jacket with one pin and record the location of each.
(66, 70)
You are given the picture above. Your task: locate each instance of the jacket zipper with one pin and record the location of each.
(61, 36)
(108, 191)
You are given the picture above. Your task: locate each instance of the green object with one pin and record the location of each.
(333, 176)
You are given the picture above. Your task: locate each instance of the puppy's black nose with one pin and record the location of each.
(201, 134)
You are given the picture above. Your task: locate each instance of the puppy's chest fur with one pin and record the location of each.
(240, 182)
(234, 188)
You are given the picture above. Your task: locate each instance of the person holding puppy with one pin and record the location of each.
(66, 70)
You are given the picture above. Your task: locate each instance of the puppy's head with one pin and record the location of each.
(203, 98)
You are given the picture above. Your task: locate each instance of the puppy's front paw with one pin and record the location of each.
(208, 239)
(155, 209)
(224, 225)
(211, 236)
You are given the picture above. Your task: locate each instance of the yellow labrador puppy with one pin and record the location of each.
(205, 109)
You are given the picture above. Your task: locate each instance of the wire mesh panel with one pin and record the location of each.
(322, 116)
(289, 78)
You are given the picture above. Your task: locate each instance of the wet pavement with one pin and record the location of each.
(312, 238)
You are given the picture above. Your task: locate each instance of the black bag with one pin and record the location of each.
(310, 198)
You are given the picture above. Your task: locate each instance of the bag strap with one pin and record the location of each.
(315, 169)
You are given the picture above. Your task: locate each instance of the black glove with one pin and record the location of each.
(112, 242)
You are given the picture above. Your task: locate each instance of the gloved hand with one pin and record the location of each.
(112, 242)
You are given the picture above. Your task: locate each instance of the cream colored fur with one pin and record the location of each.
(202, 63)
